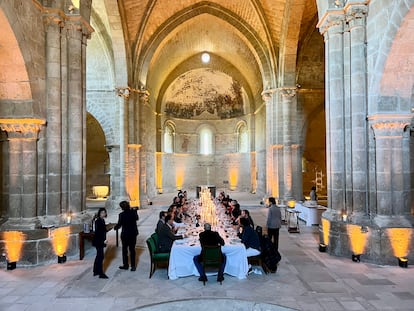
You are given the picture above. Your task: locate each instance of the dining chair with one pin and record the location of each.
(212, 259)
(157, 259)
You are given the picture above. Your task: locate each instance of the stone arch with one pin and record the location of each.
(393, 38)
(14, 77)
(260, 50)
(169, 128)
(241, 132)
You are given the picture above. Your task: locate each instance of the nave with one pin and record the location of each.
(306, 279)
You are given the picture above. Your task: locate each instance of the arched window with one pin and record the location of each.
(242, 138)
(169, 138)
(206, 140)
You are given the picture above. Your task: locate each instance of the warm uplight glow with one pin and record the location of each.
(357, 238)
(326, 227)
(291, 203)
(13, 244)
(233, 177)
(100, 191)
(400, 240)
(60, 237)
(159, 171)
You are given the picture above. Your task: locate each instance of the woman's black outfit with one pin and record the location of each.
(99, 243)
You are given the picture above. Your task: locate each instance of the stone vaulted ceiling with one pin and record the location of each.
(250, 40)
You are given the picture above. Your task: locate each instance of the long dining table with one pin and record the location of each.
(183, 251)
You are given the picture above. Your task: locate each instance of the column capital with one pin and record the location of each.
(287, 91)
(268, 94)
(356, 12)
(123, 91)
(389, 126)
(22, 128)
(332, 21)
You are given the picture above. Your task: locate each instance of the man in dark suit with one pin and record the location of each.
(209, 238)
(166, 236)
(128, 221)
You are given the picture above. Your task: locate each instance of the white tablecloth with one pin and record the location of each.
(181, 260)
(311, 215)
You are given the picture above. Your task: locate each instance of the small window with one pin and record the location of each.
(169, 138)
(242, 138)
(206, 141)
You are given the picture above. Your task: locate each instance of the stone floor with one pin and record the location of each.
(306, 279)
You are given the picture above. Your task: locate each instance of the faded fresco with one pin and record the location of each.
(204, 94)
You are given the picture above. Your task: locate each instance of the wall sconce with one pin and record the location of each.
(403, 262)
(11, 265)
(344, 217)
(356, 258)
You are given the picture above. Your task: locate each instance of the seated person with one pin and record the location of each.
(235, 212)
(246, 214)
(249, 238)
(209, 238)
(161, 221)
(166, 236)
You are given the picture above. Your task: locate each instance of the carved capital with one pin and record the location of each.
(22, 128)
(356, 13)
(288, 91)
(268, 94)
(123, 91)
(389, 126)
(332, 22)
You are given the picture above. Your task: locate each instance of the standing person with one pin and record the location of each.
(128, 221)
(209, 238)
(274, 222)
(313, 195)
(99, 241)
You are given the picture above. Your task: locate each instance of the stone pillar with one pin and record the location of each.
(133, 174)
(22, 135)
(53, 174)
(331, 26)
(146, 120)
(392, 196)
(356, 17)
(76, 116)
(289, 125)
(124, 94)
(272, 181)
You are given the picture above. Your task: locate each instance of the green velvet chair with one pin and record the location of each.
(157, 259)
(211, 259)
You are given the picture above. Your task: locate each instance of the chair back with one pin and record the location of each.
(259, 231)
(211, 256)
(154, 237)
(151, 246)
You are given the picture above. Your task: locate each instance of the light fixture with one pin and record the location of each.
(322, 247)
(403, 262)
(356, 258)
(11, 265)
(205, 58)
(62, 259)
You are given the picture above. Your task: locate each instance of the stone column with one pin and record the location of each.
(145, 118)
(54, 114)
(272, 181)
(356, 17)
(133, 174)
(22, 135)
(331, 26)
(289, 125)
(76, 116)
(124, 98)
(392, 196)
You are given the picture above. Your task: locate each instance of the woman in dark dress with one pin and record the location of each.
(99, 243)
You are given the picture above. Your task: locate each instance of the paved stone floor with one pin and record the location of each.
(306, 279)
